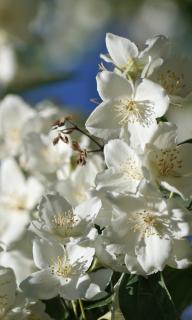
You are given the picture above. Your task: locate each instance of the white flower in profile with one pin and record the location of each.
(127, 58)
(63, 270)
(41, 157)
(58, 220)
(169, 163)
(146, 234)
(126, 107)
(124, 169)
(14, 114)
(18, 197)
(77, 188)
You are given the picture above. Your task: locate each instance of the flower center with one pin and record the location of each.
(61, 267)
(145, 222)
(130, 111)
(65, 222)
(133, 66)
(168, 161)
(171, 81)
(131, 169)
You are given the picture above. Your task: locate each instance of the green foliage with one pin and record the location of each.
(146, 299)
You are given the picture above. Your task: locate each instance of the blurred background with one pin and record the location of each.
(49, 49)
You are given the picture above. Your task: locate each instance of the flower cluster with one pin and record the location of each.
(110, 199)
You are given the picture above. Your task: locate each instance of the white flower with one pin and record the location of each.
(127, 59)
(174, 75)
(41, 157)
(58, 220)
(77, 188)
(125, 107)
(63, 270)
(169, 163)
(14, 114)
(146, 234)
(124, 173)
(18, 197)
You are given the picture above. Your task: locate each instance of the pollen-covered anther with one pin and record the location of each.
(171, 81)
(130, 111)
(168, 161)
(65, 221)
(145, 223)
(61, 267)
(131, 169)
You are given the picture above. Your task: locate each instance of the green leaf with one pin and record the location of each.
(179, 284)
(100, 303)
(146, 299)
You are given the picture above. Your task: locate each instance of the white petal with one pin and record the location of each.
(41, 285)
(154, 93)
(45, 252)
(13, 225)
(181, 255)
(89, 209)
(141, 135)
(120, 49)
(80, 255)
(179, 185)
(12, 178)
(133, 265)
(99, 281)
(153, 253)
(75, 288)
(117, 152)
(185, 150)
(34, 192)
(112, 86)
(157, 46)
(164, 137)
(181, 116)
(103, 122)
(181, 220)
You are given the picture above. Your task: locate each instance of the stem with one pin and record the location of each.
(93, 264)
(96, 150)
(171, 195)
(82, 309)
(74, 308)
(86, 134)
(168, 293)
